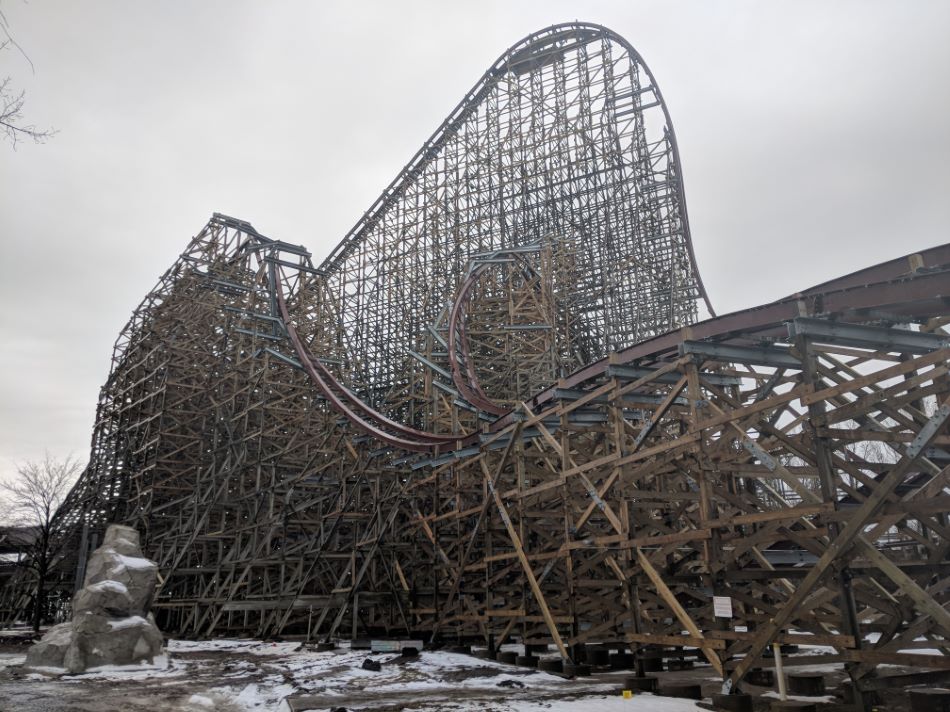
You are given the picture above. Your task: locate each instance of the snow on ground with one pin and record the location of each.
(141, 671)
(160, 667)
(245, 645)
(243, 675)
(15, 633)
(11, 660)
(639, 703)
(252, 676)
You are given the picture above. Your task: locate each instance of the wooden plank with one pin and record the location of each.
(483, 511)
(879, 657)
(753, 408)
(686, 640)
(878, 376)
(838, 641)
(771, 516)
(885, 682)
(890, 436)
(906, 585)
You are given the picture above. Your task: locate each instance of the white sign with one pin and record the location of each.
(722, 606)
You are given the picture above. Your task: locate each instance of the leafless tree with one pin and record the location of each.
(33, 497)
(13, 126)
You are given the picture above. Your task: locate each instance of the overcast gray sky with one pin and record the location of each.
(814, 138)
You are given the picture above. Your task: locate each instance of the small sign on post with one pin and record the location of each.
(722, 606)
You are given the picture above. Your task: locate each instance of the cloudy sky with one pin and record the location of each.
(814, 135)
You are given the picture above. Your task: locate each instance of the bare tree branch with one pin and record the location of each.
(12, 124)
(32, 499)
(5, 28)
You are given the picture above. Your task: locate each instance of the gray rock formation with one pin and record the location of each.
(111, 624)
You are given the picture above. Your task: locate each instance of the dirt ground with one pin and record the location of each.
(21, 691)
(250, 675)
(253, 676)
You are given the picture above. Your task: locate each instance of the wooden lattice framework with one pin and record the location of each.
(490, 416)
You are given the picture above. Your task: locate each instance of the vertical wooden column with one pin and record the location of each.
(565, 465)
(829, 495)
(711, 547)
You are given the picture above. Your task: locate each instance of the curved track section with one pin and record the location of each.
(566, 140)
(347, 403)
(458, 346)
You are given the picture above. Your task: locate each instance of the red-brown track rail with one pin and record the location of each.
(922, 278)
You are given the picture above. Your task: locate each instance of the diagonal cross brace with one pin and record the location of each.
(842, 542)
(526, 565)
(668, 596)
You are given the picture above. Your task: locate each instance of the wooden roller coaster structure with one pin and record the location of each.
(491, 413)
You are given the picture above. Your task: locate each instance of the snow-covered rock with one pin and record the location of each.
(51, 650)
(111, 624)
(111, 597)
(120, 559)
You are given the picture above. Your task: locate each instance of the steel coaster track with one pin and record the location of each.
(848, 298)
(532, 48)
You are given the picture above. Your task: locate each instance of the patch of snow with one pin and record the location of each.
(187, 646)
(802, 698)
(130, 622)
(201, 701)
(644, 702)
(109, 585)
(16, 632)
(261, 675)
(921, 651)
(806, 649)
(48, 670)
(817, 667)
(136, 562)
(160, 667)
(11, 660)
(254, 698)
(875, 637)
(243, 645)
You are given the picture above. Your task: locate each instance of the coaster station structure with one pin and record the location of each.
(491, 413)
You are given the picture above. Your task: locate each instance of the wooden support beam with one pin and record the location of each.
(682, 616)
(837, 547)
(526, 567)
